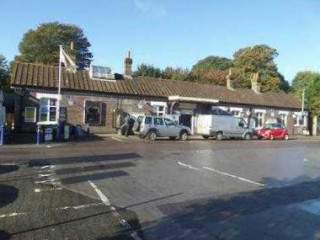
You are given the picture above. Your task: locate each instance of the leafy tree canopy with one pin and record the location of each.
(148, 70)
(4, 71)
(310, 81)
(42, 45)
(259, 58)
(212, 63)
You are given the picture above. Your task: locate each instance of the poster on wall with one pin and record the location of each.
(63, 114)
(48, 134)
(30, 114)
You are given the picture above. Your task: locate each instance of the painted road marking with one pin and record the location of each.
(11, 215)
(106, 202)
(188, 166)
(37, 190)
(80, 206)
(117, 139)
(233, 176)
(103, 197)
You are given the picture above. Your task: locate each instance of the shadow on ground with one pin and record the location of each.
(268, 213)
(7, 195)
(8, 168)
(82, 159)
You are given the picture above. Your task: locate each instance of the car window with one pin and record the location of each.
(158, 121)
(147, 120)
(168, 122)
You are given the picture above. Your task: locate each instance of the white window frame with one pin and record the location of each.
(34, 118)
(236, 110)
(157, 105)
(84, 112)
(49, 96)
(284, 117)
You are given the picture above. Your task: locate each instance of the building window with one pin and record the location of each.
(283, 119)
(30, 114)
(93, 113)
(48, 110)
(159, 110)
(260, 119)
(236, 113)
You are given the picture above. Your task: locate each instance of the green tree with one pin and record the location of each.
(259, 58)
(179, 74)
(4, 71)
(212, 63)
(310, 81)
(212, 69)
(42, 45)
(147, 70)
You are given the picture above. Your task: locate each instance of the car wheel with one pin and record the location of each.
(184, 136)
(247, 136)
(219, 136)
(286, 137)
(172, 138)
(152, 135)
(205, 137)
(271, 137)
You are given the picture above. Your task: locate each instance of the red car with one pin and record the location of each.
(273, 131)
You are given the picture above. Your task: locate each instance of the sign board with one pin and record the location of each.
(66, 132)
(48, 134)
(2, 115)
(63, 114)
(30, 114)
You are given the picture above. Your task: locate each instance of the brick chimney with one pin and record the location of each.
(72, 52)
(128, 65)
(229, 80)
(255, 84)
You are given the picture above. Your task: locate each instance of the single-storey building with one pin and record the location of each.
(92, 100)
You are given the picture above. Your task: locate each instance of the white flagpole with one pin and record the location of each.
(59, 84)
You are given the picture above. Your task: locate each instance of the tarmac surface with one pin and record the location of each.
(127, 188)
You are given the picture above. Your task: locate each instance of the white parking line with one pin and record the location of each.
(233, 176)
(80, 206)
(117, 139)
(106, 202)
(188, 166)
(11, 215)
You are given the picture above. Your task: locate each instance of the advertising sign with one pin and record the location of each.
(48, 134)
(63, 114)
(30, 114)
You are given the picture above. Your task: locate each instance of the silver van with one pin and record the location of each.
(223, 126)
(151, 127)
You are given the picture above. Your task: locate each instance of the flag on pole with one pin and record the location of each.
(67, 61)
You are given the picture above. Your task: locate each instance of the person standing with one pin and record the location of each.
(127, 125)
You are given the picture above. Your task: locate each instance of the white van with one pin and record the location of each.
(223, 126)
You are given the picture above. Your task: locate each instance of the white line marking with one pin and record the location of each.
(305, 160)
(37, 190)
(46, 166)
(233, 176)
(44, 175)
(11, 215)
(8, 164)
(80, 206)
(188, 166)
(117, 139)
(103, 197)
(106, 202)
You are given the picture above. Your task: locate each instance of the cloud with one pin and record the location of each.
(150, 7)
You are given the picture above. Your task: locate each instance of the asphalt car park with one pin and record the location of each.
(128, 188)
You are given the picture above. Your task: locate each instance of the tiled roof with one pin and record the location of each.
(28, 75)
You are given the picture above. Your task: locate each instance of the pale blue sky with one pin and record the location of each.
(175, 32)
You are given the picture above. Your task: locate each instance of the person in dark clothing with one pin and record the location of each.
(127, 125)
